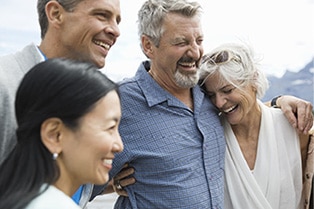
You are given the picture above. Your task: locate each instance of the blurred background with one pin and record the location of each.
(281, 33)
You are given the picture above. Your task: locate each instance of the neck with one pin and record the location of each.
(183, 94)
(247, 134)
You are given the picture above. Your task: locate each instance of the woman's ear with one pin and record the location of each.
(50, 133)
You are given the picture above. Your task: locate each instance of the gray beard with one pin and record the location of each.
(186, 80)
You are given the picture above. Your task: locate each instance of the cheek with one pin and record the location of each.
(247, 104)
(213, 100)
(99, 144)
(78, 32)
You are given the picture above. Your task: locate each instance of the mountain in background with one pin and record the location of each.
(299, 84)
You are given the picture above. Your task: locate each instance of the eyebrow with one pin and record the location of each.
(107, 10)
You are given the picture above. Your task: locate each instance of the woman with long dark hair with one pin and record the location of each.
(68, 114)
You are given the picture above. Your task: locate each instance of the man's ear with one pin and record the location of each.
(50, 133)
(54, 12)
(147, 46)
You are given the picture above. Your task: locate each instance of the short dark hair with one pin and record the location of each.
(68, 5)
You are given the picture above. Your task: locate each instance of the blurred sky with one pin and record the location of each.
(280, 31)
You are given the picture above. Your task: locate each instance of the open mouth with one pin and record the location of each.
(102, 44)
(229, 110)
(188, 67)
(107, 161)
(187, 64)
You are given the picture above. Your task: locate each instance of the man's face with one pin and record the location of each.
(177, 57)
(88, 32)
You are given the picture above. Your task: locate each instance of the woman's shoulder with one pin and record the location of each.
(52, 198)
(279, 118)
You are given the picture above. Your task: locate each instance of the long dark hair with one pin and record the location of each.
(55, 88)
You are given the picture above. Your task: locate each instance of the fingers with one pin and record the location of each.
(122, 192)
(127, 181)
(119, 186)
(123, 179)
(125, 172)
(298, 112)
(308, 127)
(304, 117)
(291, 117)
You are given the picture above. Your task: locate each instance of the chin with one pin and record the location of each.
(100, 65)
(231, 121)
(103, 180)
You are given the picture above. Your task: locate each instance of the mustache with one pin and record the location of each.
(190, 59)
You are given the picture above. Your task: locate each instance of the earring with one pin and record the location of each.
(55, 156)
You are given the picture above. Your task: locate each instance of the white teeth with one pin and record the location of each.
(107, 161)
(102, 44)
(187, 64)
(230, 109)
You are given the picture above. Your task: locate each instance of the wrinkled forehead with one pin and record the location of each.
(179, 24)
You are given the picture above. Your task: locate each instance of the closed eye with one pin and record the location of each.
(228, 91)
(102, 16)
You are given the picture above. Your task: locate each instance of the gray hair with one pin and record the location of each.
(237, 65)
(68, 5)
(153, 12)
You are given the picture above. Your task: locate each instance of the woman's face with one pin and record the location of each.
(88, 151)
(237, 105)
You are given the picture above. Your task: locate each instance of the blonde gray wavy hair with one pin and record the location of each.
(237, 65)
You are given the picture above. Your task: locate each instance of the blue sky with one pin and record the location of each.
(280, 31)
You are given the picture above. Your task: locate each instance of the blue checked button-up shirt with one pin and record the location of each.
(178, 154)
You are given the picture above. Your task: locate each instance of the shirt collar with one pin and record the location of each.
(44, 57)
(155, 94)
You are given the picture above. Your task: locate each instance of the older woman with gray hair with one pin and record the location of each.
(263, 164)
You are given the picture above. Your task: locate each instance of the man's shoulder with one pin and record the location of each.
(6, 59)
(28, 53)
(128, 83)
(30, 48)
(21, 60)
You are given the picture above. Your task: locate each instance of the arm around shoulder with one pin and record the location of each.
(297, 111)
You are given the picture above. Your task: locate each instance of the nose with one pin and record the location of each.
(219, 100)
(118, 144)
(195, 51)
(113, 29)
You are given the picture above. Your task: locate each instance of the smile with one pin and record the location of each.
(107, 161)
(102, 44)
(230, 109)
(187, 64)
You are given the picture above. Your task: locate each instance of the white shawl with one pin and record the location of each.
(276, 182)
